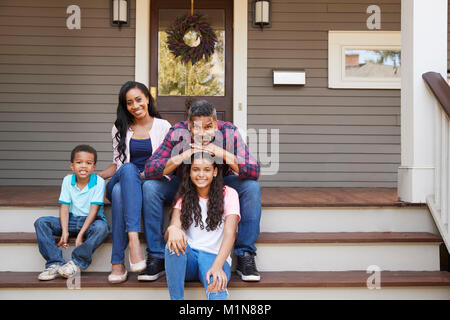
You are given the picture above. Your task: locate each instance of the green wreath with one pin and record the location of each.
(176, 33)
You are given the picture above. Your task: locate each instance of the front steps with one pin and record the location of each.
(346, 285)
(411, 251)
(307, 250)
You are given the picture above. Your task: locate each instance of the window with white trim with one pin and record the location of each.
(364, 59)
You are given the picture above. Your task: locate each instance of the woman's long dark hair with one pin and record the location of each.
(190, 208)
(125, 119)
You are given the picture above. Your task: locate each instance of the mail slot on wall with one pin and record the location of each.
(289, 77)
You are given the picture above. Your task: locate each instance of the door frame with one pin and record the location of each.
(240, 22)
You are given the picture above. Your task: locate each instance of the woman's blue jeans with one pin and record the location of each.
(124, 190)
(48, 227)
(193, 265)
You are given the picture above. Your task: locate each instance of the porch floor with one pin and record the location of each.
(32, 196)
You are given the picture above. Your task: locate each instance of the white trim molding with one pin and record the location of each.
(424, 49)
(340, 41)
(240, 22)
(142, 44)
(420, 178)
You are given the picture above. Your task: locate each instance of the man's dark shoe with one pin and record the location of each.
(246, 267)
(155, 269)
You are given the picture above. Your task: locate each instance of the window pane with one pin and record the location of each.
(206, 77)
(372, 63)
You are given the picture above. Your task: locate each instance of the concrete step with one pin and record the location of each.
(278, 219)
(273, 285)
(413, 251)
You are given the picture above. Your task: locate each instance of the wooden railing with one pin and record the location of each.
(439, 202)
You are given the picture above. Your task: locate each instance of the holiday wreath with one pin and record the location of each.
(198, 24)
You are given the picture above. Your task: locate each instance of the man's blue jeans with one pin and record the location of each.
(48, 227)
(124, 190)
(191, 266)
(158, 193)
(249, 192)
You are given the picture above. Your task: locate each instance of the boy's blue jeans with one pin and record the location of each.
(191, 266)
(124, 190)
(156, 193)
(48, 227)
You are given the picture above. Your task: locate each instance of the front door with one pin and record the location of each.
(172, 81)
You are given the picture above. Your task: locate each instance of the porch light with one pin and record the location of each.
(262, 13)
(120, 11)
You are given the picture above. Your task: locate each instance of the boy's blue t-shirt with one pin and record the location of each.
(80, 200)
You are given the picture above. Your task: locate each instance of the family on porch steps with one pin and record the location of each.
(200, 167)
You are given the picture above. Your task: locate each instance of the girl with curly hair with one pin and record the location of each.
(202, 230)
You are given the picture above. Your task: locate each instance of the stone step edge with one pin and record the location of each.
(286, 279)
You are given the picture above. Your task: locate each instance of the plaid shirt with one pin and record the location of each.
(178, 139)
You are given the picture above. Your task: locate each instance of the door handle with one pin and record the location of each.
(153, 93)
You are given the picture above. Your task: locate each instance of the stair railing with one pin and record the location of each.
(438, 202)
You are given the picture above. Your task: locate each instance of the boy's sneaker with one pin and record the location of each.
(49, 273)
(246, 267)
(155, 269)
(68, 270)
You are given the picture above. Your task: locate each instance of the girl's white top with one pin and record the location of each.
(157, 134)
(210, 241)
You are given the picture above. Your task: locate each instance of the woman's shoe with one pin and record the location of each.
(118, 278)
(137, 267)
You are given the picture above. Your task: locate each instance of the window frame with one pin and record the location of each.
(339, 41)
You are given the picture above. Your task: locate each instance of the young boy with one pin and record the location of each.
(80, 214)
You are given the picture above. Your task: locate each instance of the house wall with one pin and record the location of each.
(328, 137)
(58, 87)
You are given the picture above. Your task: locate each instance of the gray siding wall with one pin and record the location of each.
(328, 137)
(58, 87)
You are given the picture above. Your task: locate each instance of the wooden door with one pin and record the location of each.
(172, 81)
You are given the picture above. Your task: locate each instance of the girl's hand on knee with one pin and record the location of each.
(219, 279)
(176, 240)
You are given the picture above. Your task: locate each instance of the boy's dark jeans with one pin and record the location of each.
(48, 227)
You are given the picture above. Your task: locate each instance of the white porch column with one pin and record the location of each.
(240, 17)
(424, 48)
(142, 53)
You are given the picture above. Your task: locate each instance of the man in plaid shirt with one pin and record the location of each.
(202, 132)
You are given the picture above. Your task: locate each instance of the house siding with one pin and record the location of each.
(328, 137)
(58, 87)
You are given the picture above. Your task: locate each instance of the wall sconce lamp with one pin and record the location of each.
(120, 13)
(262, 13)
